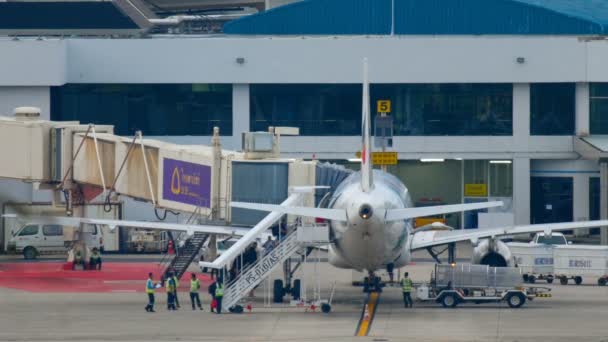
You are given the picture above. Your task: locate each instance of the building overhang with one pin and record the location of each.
(593, 147)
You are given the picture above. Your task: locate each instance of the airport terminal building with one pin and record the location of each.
(489, 99)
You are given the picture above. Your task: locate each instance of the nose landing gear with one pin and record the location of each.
(371, 283)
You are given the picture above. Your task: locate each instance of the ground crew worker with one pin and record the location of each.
(406, 284)
(95, 260)
(176, 287)
(150, 291)
(219, 294)
(195, 285)
(170, 286)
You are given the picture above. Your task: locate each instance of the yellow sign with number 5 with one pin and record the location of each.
(384, 106)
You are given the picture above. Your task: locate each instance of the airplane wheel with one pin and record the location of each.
(549, 279)
(277, 291)
(563, 280)
(449, 301)
(515, 300)
(325, 308)
(295, 289)
(525, 277)
(578, 280)
(531, 279)
(602, 282)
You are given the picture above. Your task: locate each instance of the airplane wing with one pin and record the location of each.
(328, 214)
(426, 239)
(189, 228)
(408, 213)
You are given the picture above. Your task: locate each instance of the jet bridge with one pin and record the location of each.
(88, 162)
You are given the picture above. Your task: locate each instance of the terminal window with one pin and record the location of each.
(317, 109)
(458, 109)
(155, 109)
(417, 109)
(599, 108)
(552, 108)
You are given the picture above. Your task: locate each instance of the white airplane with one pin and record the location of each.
(370, 218)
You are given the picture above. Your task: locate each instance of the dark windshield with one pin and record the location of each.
(552, 240)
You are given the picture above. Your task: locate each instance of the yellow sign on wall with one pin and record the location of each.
(383, 106)
(476, 190)
(382, 158)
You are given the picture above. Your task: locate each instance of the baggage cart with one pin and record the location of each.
(576, 262)
(451, 285)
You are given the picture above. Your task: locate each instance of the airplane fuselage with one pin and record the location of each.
(365, 241)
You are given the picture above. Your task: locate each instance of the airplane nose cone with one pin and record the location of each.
(365, 211)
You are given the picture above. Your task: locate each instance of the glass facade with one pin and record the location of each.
(417, 109)
(598, 101)
(552, 108)
(448, 109)
(155, 109)
(551, 199)
(317, 109)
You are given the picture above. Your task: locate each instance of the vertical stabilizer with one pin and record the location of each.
(367, 182)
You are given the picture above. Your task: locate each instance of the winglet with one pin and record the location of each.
(367, 183)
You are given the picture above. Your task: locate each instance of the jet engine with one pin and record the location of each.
(492, 252)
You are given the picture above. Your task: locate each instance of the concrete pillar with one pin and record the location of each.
(582, 109)
(604, 200)
(521, 190)
(580, 199)
(521, 112)
(240, 113)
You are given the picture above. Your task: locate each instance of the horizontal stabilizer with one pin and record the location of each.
(328, 214)
(408, 213)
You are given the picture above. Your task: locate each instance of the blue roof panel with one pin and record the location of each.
(431, 17)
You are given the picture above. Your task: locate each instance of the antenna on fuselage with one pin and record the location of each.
(367, 182)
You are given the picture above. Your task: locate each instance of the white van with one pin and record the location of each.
(34, 239)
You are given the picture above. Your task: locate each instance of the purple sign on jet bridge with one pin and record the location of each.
(186, 182)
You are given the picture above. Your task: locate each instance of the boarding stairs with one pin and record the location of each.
(185, 255)
(250, 277)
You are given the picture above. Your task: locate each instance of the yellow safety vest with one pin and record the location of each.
(195, 285)
(170, 288)
(219, 291)
(176, 281)
(406, 283)
(149, 286)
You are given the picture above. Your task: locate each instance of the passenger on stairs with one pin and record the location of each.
(195, 285)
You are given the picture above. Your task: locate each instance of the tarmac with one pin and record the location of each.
(574, 313)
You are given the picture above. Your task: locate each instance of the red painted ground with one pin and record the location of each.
(114, 277)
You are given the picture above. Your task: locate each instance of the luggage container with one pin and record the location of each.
(578, 262)
(535, 261)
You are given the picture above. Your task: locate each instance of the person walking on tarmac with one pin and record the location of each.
(176, 287)
(211, 291)
(406, 284)
(195, 285)
(219, 295)
(171, 288)
(150, 291)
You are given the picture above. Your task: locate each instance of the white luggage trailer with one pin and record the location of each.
(534, 260)
(575, 262)
(454, 284)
